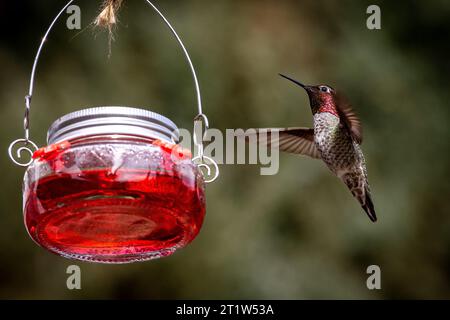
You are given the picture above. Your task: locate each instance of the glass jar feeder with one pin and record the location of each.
(113, 185)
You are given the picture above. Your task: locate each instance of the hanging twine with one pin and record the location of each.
(107, 18)
(108, 15)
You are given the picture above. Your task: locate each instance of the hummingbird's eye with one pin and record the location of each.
(325, 89)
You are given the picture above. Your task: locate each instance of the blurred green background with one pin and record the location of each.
(295, 235)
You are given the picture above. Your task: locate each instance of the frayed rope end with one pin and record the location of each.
(108, 15)
(107, 18)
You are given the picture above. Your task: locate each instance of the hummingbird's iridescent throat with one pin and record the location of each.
(321, 97)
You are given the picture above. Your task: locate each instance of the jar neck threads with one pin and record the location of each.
(112, 121)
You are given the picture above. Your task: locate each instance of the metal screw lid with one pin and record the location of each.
(112, 120)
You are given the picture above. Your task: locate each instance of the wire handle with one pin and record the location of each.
(27, 143)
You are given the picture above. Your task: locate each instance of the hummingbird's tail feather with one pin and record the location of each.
(360, 190)
(368, 207)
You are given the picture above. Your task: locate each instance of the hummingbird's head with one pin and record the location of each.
(321, 97)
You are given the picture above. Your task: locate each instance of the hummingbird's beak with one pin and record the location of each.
(295, 81)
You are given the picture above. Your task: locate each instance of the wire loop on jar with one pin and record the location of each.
(17, 156)
(201, 127)
(201, 163)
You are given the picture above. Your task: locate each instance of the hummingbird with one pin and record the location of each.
(335, 139)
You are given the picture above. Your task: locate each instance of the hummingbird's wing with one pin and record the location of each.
(349, 117)
(292, 140)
